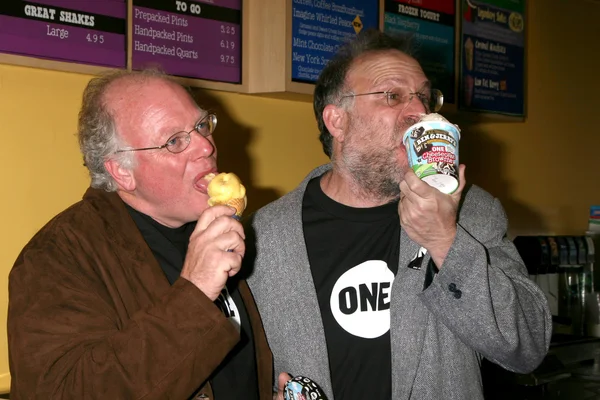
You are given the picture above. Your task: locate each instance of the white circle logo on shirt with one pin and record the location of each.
(228, 307)
(360, 299)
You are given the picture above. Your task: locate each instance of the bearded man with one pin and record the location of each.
(373, 283)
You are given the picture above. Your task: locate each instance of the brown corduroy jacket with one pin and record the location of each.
(92, 316)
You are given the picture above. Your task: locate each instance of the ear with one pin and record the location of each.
(123, 176)
(335, 119)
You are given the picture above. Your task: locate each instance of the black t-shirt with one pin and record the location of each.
(353, 254)
(236, 376)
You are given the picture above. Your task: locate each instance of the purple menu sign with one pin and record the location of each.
(194, 39)
(82, 31)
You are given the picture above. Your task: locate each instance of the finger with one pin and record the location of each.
(235, 264)
(218, 226)
(231, 242)
(404, 209)
(212, 213)
(411, 178)
(461, 179)
(404, 188)
(228, 263)
(406, 201)
(225, 224)
(283, 378)
(418, 187)
(406, 193)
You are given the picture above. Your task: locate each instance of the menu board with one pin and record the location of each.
(320, 26)
(493, 56)
(192, 39)
(431, 25)
(82, 31)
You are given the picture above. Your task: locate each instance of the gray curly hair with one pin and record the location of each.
(331, 84)
(96, 131)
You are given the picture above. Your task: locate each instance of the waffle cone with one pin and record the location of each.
(238, 204)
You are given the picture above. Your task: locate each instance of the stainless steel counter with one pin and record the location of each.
(570, 371)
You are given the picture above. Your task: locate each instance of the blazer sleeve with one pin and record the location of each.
(67, 340)
(483, 294)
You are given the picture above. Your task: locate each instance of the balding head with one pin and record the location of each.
(97, 133)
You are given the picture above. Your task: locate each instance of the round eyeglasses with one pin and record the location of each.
(181, 140)
(432, 99)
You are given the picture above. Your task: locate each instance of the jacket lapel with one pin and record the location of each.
(264, 359)
(407, 324)
(143, 273)
(301, 299)
(284, 289)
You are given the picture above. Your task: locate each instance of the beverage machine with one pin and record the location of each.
(563, 267)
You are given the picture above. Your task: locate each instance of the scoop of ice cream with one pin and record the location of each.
(432, 117)
(209, 177)
(437, 117)
(227, 189)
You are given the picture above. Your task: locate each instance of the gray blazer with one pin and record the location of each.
(437, 338)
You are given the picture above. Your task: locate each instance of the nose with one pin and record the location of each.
(201, 147)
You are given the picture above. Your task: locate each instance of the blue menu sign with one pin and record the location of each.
(320, 26)
(431, 25)
(493, 56)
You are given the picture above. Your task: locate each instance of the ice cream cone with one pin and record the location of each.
(238, 204)
(227, 189)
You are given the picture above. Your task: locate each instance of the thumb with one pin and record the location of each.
(283, 378)
(461, 181)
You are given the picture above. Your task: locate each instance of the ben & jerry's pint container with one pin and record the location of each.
(302, 388)
(432, 147)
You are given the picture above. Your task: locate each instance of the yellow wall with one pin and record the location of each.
(270, 143)
(544, 169)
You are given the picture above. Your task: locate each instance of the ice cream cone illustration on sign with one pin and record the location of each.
(357, 24)
(469, 50)
(227, 189)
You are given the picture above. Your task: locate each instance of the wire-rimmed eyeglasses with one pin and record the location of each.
(181, 140)
(432, 99)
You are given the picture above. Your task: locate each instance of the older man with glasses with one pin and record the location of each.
(131, 293)
(376, 298)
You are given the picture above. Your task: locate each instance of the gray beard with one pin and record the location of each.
(375, 181)
(377, 175)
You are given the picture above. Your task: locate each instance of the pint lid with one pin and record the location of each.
(432, 121)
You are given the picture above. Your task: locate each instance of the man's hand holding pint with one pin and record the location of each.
(428, 215)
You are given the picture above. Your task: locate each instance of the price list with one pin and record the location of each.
(189, 38)
(82, 31)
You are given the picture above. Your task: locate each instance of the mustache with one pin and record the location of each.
(411, 120)
(407, 122)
